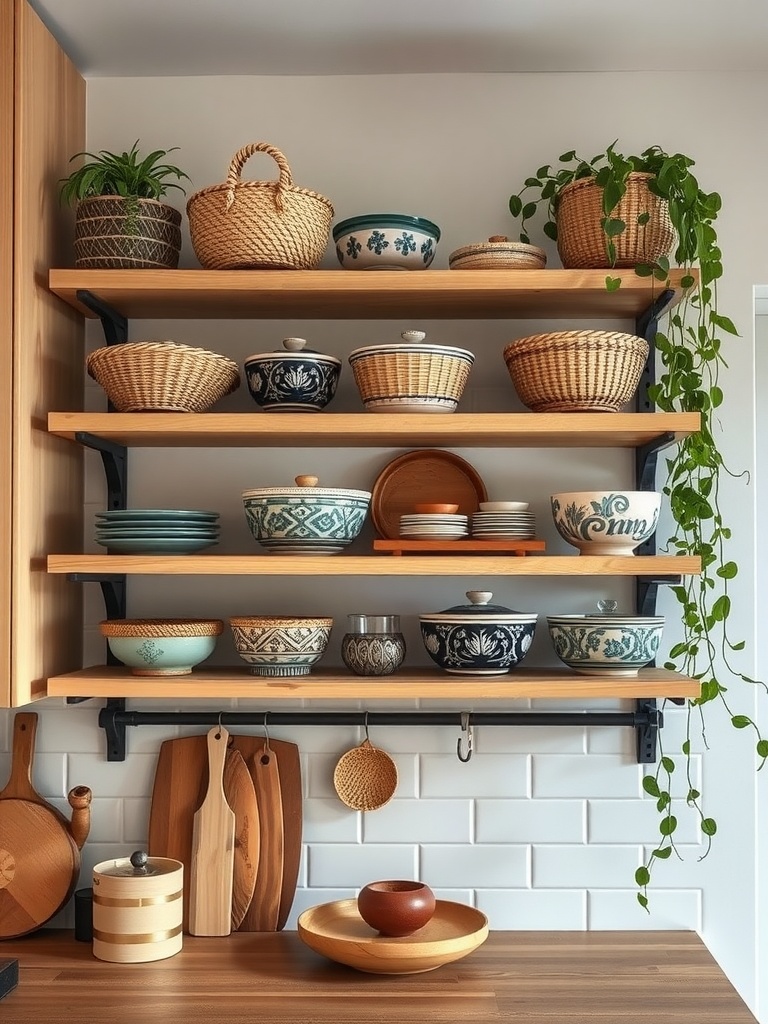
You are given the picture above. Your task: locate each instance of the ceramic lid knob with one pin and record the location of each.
(607, 607)
(306, 481)
(498, 238)
(413, 337)
(479, 596)
(294, 344)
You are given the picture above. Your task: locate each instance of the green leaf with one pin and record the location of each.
(708, 826)
(612, 228)
(668, 825)
(668, 764)
(693, 794)
(528, 210)
(721, 609)
(567, 157)
(612, 284)
(643, 218)
(642, 875)
(644, 270)
(532, 183)
(550, 230)
(662, 852)
(762, 748)
(686, 747)
(728, 571)
(723, 322)
(515, 205)
(651, 786)
(740, 721)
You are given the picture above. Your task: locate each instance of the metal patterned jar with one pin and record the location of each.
(373, 645)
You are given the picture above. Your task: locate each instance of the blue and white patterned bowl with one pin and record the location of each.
(386, 241)
(295, 379)
(608, 645)
(306, 519)
(479, 638)
(279, 645)
(606, 522)
(161, 647)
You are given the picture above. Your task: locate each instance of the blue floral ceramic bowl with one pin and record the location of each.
(606, 645)
(161, 647)
(479, 638)
(294, 379)
(386, 241)
(606, 522)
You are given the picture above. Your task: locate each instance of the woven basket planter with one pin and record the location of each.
(581, 242)
(259, 224)
(115, 233)
(576, 371)
(162, 376)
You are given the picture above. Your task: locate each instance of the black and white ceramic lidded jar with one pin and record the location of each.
(373, 644)
(292, 379)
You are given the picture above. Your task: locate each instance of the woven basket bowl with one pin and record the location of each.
(161, 627)
(114, 233)
(162, 376)
(576, 371)
(580, 238)
(427, 380)
(365, 778)
(259, 224)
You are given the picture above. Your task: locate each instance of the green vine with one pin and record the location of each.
(691, 356)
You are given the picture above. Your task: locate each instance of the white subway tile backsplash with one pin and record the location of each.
(420, 821)
(307, 898)
(329, 821)
(341, 865)
(114, 778)
(567, 867)
(49, 775)
(669, 910)
(532, 739)
(636, 821)
(529, 821)
(443, 775)
(136, 820)
(503, 867)
(106, 819)
(63, 729)
(606, 775)
(534, 909)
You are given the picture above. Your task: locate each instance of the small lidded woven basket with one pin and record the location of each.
(162, 376)
(270, 225)
(576, 371)
(411, 376)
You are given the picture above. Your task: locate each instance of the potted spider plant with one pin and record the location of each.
(120, 219)
(633, 212)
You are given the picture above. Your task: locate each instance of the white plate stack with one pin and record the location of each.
(503, 520)
(433, 526)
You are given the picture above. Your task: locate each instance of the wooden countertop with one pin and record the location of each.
(531, 977)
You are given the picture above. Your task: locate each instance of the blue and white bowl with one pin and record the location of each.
(606, 522)
(386, 241)
(479, 638)
(161, 647)
(606, 645)
(279, 645)
(306, 519)
(294, 379)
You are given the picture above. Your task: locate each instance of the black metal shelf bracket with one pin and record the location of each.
(115, 460)
(114, 719)
(114, 324)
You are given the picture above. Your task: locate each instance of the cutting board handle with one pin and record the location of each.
(23, 751)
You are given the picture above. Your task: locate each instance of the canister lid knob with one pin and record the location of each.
(139, 861)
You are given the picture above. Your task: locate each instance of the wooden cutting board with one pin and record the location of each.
(213, 848)
(289, 772)
(181, 780)
(39, 859)
(264, 911)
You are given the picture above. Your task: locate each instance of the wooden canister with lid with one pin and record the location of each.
(137, 909)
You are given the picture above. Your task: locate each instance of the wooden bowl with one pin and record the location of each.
(434, 508)
(396, 907)
(337, 931)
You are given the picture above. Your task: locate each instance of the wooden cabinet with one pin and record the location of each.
(340, 295)
(42, 124)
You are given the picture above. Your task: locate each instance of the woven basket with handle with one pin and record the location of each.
(581, 241)
(576, 371)
(259, 224)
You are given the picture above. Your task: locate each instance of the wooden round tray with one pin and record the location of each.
(337, 931)
(426, 475)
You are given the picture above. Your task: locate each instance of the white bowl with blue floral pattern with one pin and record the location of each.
(606, 522)
(606, 645)
(386, 241)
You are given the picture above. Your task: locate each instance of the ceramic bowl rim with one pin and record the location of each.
(385, 220)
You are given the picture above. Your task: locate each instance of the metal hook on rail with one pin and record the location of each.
(365, 726)
(466, 732)
(266, 733)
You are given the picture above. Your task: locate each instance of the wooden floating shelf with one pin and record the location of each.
(362, 430)
(376, 565)
(349, 295)
(475, 546)
(336, 684)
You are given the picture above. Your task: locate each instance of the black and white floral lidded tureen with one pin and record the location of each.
(292, 379)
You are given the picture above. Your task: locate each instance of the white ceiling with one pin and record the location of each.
(354, 37)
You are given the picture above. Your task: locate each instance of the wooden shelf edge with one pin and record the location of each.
(336, 684)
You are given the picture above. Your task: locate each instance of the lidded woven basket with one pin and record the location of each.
(410, 376)
(576, 371)
(259, 224)
(581, 241)
(162, 376)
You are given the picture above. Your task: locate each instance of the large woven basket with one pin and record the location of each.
(118, 233)
(576, 371)
(259, 224)
(163, 376)
(581, 241)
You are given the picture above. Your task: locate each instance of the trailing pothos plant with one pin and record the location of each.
(691, 353)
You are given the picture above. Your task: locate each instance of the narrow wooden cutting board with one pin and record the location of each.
(181, 780)
(213, 848)
(289, 771)
(264, 911)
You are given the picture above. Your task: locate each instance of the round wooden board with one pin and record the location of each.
(39, 866)
(337, 931)
(425, 476)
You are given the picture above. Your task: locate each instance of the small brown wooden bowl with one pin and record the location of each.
(396, 907)
(435, 508)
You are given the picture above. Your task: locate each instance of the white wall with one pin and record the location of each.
(545, 827)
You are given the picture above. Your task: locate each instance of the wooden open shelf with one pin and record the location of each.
(351, 295)
(377, 565)
(360, 430)
(337, 684)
